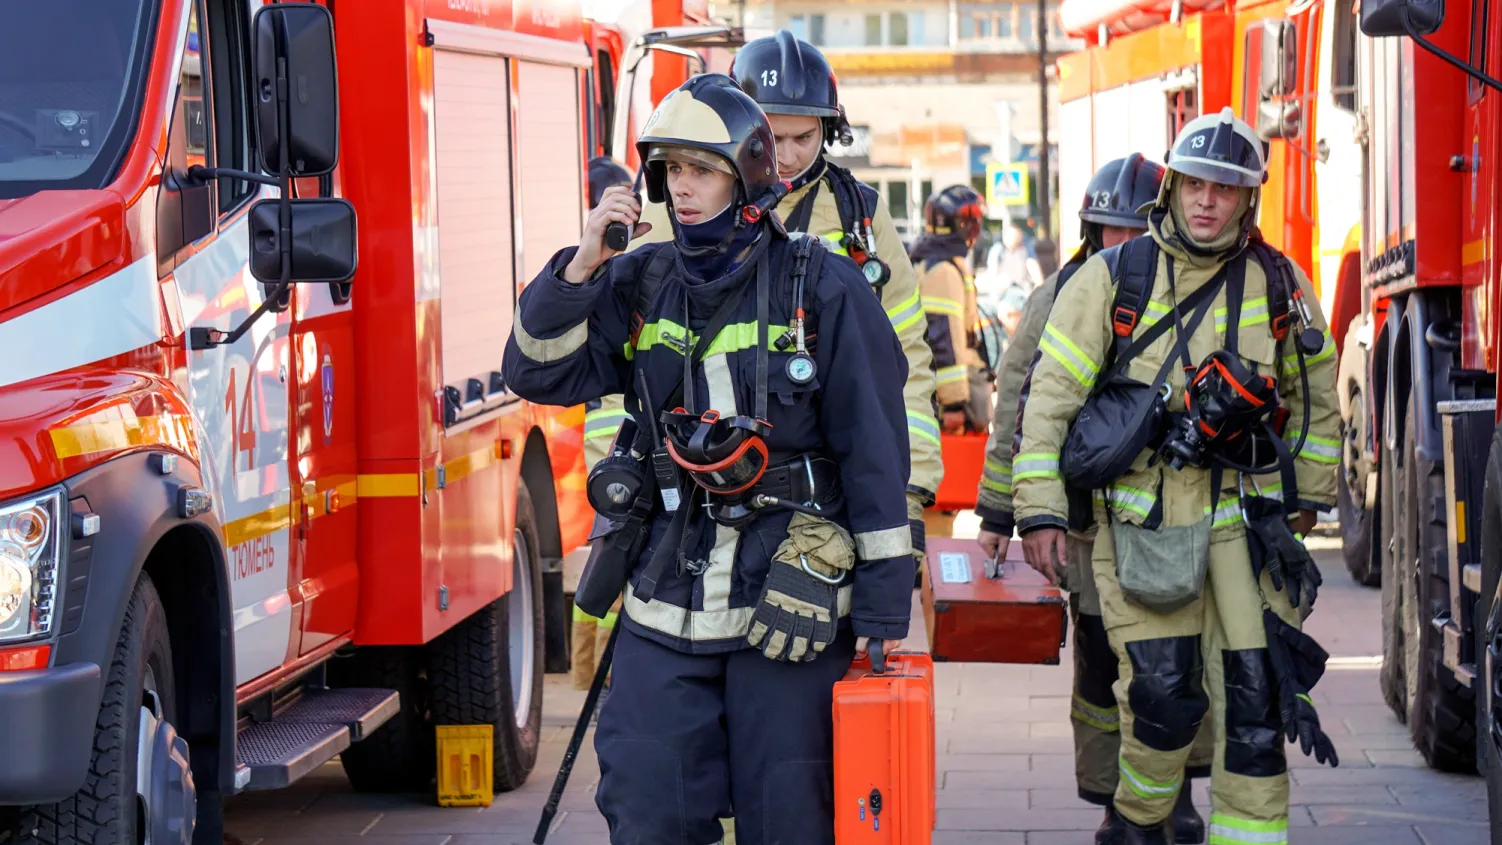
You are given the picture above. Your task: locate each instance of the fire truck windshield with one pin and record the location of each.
(72, 74)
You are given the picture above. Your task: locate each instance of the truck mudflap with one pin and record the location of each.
(46, 729)
(1466, 428)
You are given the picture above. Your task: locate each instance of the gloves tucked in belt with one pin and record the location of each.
(797, 614)
(1298, 662)
(1274, 547)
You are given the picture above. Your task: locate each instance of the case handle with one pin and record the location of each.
(878, 660)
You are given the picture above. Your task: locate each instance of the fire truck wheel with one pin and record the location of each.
(134, 733)
(1441, 711)
(1391, 678)
(399, 756)
(1350, 489)
(1489, 640)
(487, 670)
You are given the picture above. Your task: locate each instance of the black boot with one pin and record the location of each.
(1158, 834)
(1188, 826)
(1112, 830)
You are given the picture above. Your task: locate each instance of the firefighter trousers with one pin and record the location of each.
(1093, 712)
(589, 636)
(1207, 659)
(688, 739)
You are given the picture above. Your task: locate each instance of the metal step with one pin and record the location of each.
(322, 723)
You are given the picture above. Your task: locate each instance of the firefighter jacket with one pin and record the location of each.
(1073, 350)
(573, 343)
(899, 297)
(949, 302)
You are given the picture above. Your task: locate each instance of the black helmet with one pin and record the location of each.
(1119, 190)
(605, 172)
(786, 75)
(1220, 148)
(956, 209)
(710, 119)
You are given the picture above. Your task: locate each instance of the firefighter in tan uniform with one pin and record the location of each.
(1202, 595)
(794, 85)
(1113, 212)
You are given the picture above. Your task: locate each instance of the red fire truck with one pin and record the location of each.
(262, 488)
(1426, 436)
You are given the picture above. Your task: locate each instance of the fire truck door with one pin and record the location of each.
(239, 391)
(1480, 198)
(325, 579)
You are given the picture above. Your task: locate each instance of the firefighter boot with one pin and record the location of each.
(1188, 826)
(1112, 830)
(1158, 834)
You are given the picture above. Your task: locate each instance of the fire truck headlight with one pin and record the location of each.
(31, 542)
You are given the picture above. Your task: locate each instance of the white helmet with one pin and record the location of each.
(1220, 148)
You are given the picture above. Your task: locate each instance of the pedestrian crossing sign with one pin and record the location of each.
(1006, 184)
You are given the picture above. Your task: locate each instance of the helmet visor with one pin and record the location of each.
(704, 158)
(1224, 173)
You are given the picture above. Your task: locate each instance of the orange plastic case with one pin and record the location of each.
(972, 618)
(964, 457)
(884, 755)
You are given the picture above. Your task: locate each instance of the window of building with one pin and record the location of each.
(897, 200)
(967, 27)
(816, 29)
(873, 30)
(899, 29)
(1025, 23)
(798, 26)
(991, 21)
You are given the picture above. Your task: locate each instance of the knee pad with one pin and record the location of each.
(1254, 741)
(1167, 692)
(1098, 669)
(646, 796)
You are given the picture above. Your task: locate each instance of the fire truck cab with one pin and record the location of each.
(264, 497)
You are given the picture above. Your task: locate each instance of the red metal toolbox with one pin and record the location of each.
(1017, 617)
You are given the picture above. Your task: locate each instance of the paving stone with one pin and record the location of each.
(1453, 834)
(1023, 820)
(983, 799)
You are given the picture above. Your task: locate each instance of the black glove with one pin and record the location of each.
(1273, 547)
(1300, 719)
(920, 542)
(795, 615)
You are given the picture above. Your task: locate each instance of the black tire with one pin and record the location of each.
(400, 755)
(470, 667)
(1355, 520)
(106, 809)
(1392, 677)
(1441, 710)
(1488, 754)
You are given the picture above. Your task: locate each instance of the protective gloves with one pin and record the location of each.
(797, 612)
(1274, 547)
(1298, 662)
(795, 615)
(915, 525)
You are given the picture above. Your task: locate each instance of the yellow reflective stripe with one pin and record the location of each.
(604, 422)
(733, 338)
(920, 425)
(1144, 786)
(997, 476)
(1292, 361)
(906, 312)
(1253, 312)
(1154, 312)
(1321, 450)
(832, 241)
(1035, 465)
(1106, 719)
(1126, 498)
(1229, 830)
(1063, 350)
(948, 375)
(940, 305)
(1227, 514)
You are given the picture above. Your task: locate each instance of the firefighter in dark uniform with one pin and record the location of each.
(769, 381)
(1113, 212)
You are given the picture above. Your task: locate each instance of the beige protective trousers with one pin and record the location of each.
(1162, 658)
(1093, 711)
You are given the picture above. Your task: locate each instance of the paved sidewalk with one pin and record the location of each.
(1005, 766)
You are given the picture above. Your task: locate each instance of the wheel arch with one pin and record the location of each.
(537, 475)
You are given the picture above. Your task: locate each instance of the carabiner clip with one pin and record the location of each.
(808, 469)
(819, 576)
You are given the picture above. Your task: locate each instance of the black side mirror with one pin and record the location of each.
(294, 51)
(1279, 74)
(1382, 18)
(323, 247)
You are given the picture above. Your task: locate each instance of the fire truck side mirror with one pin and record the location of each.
(295, 83)
(1279, 71)
(1381, 18)
(323, 240)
